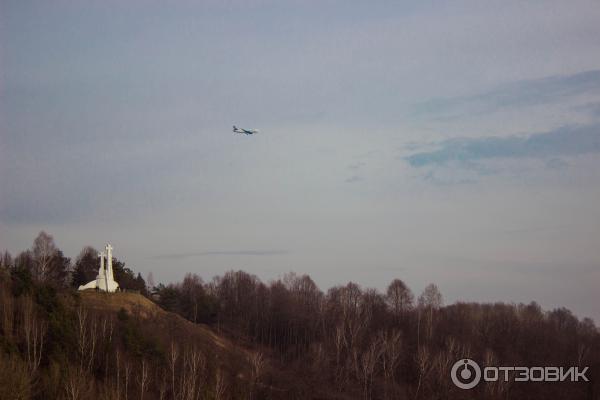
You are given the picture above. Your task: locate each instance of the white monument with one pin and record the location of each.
(105, 280)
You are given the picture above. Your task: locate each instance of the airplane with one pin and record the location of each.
(246, 131)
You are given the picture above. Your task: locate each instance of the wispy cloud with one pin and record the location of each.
(353, 178)
(565, 141)
(179, 256)
(517, 94)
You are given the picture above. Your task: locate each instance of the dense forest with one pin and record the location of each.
(282, 339)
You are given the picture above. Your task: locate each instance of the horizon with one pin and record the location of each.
(449, 144)
(283, 275)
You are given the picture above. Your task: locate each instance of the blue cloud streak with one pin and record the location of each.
(517, 94)
(564, 141)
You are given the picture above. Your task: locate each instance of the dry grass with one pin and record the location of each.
(167, 325)
(133, 303)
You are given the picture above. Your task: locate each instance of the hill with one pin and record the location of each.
(81, 345)
(239, 338)
(244, 365)
(146, 310)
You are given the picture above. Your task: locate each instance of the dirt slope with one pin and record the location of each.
(166, 327)
(168, 323)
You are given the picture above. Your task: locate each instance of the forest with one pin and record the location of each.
(236, 337)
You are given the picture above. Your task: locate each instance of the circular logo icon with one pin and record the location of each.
(465, 373)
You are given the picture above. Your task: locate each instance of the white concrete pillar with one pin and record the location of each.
(109, 269)
(101, 278)
(101, 255)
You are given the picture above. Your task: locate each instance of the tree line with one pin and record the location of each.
(54, 346)
(45, 263)
(346, 342)
(390, 345)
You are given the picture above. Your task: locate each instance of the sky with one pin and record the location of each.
(448, 142)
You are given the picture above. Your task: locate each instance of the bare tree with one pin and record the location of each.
(87, 338)
(173, 357)
(118, 367)
(75, 384)
(357, 326)
(390, 357)
(431, 297)
(43, 251)
(162, 389)
(143, 377)
(340, 343)
(495, 389)
(106, 332)
(93, 332)
(429, 301)
(192, 292)
(399, 297)
(220, 385)
(34, 332)
(424, 367)
(442, 364)
(127, 371)
(582, 352)
(194, 363)
(257, 364)
(368, 362)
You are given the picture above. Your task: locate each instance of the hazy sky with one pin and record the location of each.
(455, 142)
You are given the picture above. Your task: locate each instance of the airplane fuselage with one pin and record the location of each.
(244, 131)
